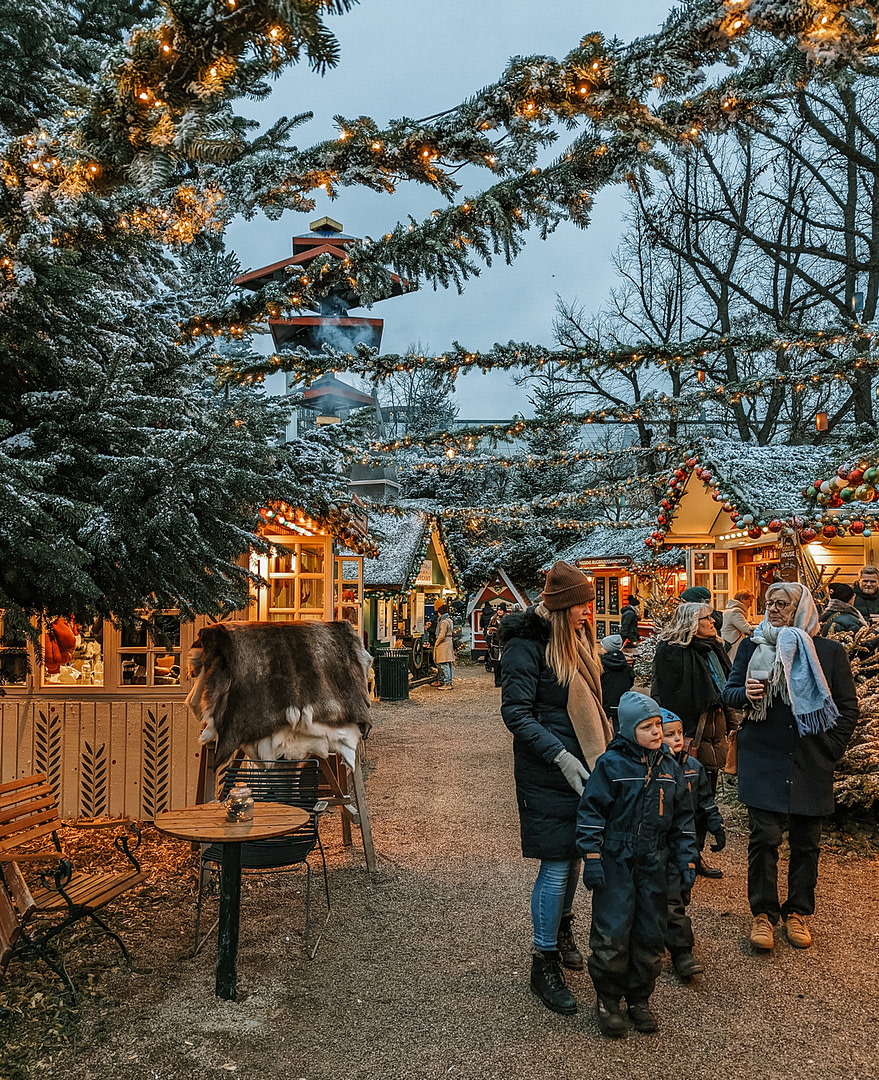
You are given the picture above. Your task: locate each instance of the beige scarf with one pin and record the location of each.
(592, 728)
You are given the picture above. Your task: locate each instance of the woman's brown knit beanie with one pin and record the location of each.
(566, 586)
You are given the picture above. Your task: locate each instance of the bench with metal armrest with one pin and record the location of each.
(65, 895)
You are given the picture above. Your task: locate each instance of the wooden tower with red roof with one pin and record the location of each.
(328, 399)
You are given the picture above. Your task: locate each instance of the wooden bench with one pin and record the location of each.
(28, 820)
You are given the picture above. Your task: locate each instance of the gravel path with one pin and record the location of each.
(423, 971)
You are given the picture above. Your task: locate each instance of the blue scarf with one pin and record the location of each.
(796, 677)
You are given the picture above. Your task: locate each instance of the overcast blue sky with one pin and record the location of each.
(415, 58)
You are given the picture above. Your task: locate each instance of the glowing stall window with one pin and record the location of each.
(13, 658)
(73, 652)
(149, 653)
(297, 582)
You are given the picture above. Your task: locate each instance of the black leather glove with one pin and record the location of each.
(719, 839)
(688, 878)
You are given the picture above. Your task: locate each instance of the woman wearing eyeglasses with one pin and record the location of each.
(800, 710)
(690, 670)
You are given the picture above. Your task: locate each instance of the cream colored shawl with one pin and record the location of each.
(592, 728)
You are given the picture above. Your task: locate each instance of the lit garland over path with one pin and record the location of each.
(154, 114)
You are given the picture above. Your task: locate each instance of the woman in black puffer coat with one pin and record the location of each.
(559, 729)
(690, 669)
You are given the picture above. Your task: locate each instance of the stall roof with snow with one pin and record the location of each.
(618, 543)
(412, 551)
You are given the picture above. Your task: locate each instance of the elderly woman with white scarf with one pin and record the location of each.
(800, 710)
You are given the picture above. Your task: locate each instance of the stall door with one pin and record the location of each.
(348, 590)
(712, 570)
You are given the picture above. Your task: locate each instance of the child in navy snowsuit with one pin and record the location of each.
(635, 816)
(679, 938)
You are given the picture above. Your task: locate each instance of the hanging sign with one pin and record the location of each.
(425, 574)
(788, 565)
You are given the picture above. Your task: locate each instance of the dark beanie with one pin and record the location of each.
(566, 586)
(697, 594)
(441, 609)
(841, 591)
(634, 708)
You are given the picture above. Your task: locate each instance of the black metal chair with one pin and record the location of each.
(296, 784)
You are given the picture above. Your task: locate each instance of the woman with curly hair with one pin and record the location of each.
(690, 670)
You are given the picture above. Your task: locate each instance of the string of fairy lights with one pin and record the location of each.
(636, 97)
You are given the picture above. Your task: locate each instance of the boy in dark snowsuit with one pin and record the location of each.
(679, 938)
(635, 816)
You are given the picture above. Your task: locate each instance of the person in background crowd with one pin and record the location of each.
(629, 622)
(495, 650)
(690, 669)
(735, 627)
(635, 817)
(485, 617)
(551, 702)
(841, 614)
(800, 711)
(443, 647)
(698, 594)
(866, 590)
(617, 676)
(679, 939)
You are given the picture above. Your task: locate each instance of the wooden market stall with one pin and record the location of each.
(501, 589)
(105, 714)
(615, 557)
(744, 519)
(413, 571)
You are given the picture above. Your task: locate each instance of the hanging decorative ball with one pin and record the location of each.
(797, 522)
(826, 487)
(847, 494)
(755, 532)
(808, 535)
(662, 519)
(855, 477)
(727, 506)
(670, 493)
(871, 475)
(775, 525)
(680, 473)
(649, 541)
(716, 495)
(823, 500)
(691, 461)
(706, 475)
(818, 483)
(843, 471)
(673, 483)
(665, 504)
(747, 519)
(865, 492)
(868, 532)
(657, 535)
(830, 531)
(857, 527)
(834, 502)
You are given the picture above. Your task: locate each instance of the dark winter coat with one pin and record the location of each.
(629, 624)
(534, 708)
(701, 795)
(682, 682)
(839, 616)
(779, 769)
(867, 605)
(617, 677)
(636, 802)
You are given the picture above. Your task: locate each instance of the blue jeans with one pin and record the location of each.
(444, 673)
(552, 897)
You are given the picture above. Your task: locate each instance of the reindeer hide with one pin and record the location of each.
(294, 689)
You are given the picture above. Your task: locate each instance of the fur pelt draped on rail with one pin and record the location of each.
(281, 690)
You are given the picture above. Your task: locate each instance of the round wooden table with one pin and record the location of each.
(207, 824)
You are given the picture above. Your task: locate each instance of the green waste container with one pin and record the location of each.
(392, 674)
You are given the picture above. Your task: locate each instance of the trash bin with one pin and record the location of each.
(392, 674)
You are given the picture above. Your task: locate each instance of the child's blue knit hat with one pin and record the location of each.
(634, 708)
(668, 717)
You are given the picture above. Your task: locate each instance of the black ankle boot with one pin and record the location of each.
(610, 1017)
(572, 958)
(642, 1016)
(548, 982)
